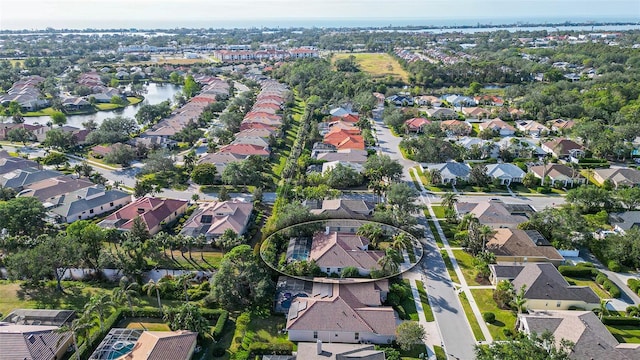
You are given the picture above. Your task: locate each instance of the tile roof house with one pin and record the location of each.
(505, 173)
(499, 126)
(558, 173)
(455, 127)
(546, 289)
(10, 163)
(428, 100)
(214, 218)
(333, 251)
(335, 351)
(618, 176)
(532, 128)
(625, 221)
(220, 160)
(53, 187)
(245, 150)
(495, 213)
(590, 338)
(86, 203)
(450, 171)
(416, 124)
(343, 314)
(441, 113)
(164, 345)
(18, 179)
(345, 139)
(476, 112)
(33, 334)
(341, 208)
(355, 156)
(561, 125)
(520, 246)
(154, 212)
(562, 148)
(252, 140)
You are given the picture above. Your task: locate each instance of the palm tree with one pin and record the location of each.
(189, 241)
(485, 233)
(602, 310)
(100, 305)
(519, 299)
(189, 160)
(156, 286)
(371, 231)
(126, 291)
(449, 199)
(435, 177)
(401, 241)
(185, 281)
(467, 219)
(79, 327)
(200, 243)
(161, 239)
(390, 262)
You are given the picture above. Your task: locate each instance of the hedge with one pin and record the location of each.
(588, 272)
(620, 320)
(262, 348)
(222, 320)
(634, 284)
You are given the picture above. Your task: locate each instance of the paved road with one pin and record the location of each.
(455, 332)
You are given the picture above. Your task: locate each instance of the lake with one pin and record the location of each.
(156, 93)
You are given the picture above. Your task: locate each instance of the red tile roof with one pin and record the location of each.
(151, 210)
(245, 149)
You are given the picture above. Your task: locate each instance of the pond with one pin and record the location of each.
(156, 93)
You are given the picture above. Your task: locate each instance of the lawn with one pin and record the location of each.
(12, 296)
(379, 65)
(590, 283)
(434, 231)
(262, 328)
(465, 261)
(440, 354)
(438, 211)
(149, 324)
(625, 333)
(449, 230)
(505, 319)
(475, 327)
(108, 106)
(408, 303)
(414, 353)
(279, 161)
(449, 265)
(41, 112)
(424, 299)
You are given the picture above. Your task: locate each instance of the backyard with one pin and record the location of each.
(379, 65)
(603, 294)
(625, 333)
(505, 319)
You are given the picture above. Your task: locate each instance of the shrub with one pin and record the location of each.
(577, 271)
(222, 320)
(614, 265)
(489, 317)
(601, 278)
(262, 348)
(543, 189)
(508, 333)
(620, 320)
(612, 288)
(401, 314)
(585, 264)
(634, 284)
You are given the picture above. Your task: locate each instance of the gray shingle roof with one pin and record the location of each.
(85, 199)
(543, 281)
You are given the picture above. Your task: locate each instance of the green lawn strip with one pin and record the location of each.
(149, 324)
(414, 353)
(415, 182)
(449, 230)
(449, 265)
(424, 299)
(505, 319)
(475, 327)
(440, 354)
(625, 333)
(408, 303)
(590, 283)
(438, 211)
(434, 231)
(465, 262)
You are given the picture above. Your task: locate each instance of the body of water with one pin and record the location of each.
(156, 93)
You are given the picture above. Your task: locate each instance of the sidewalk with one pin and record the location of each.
(433, 337)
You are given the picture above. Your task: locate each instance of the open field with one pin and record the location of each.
(379, 65)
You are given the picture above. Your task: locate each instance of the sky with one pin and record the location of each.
(78, 14)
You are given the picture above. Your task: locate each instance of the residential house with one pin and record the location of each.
(379, 98)
(245, 150)
(563, 148)
(558, 173)
(515, 246)
(428, 100)
(349, 313)
(532, 128)
(499, 126)
(618, 176)
(495, 213)
(341, 208)
(589, 338)
(220, 160)
(400, 100)
(460, 101)
(153, 142)
(441, 113)
(625, 221)
(30, 334)
(334, 351)
(75, 103)
(85, 203)
(450, 171)
(505, 173)
(516, 113)
(491, 100)
(54, 187)
(476, 112)
(136, 344)
(456, 127)
(330, 165)
(560, 125)
(521, 147)
(345, 139)
(416, 124)
(214, 218)
(18, 179)
(10, 163)
(354, 156)
(546, 289)
(333, 251)
(154, 212)
(252, 140)
(5, 128)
